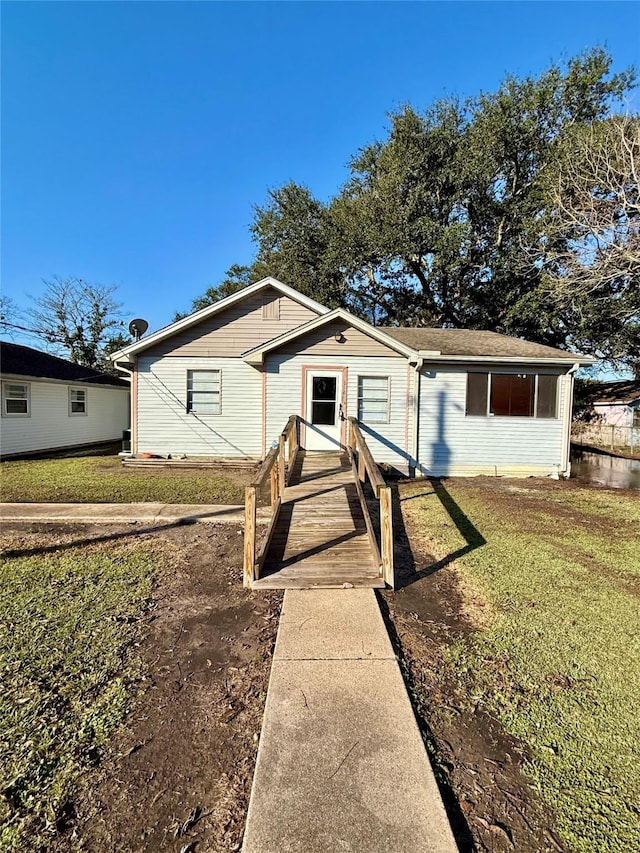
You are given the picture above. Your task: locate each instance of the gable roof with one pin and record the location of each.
(215, 308)
(478, 344)
(257, 354)
(415, 343)
(624, 391)
(431, 344)
(18, 360)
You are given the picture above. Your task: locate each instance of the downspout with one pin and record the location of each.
(416, 412)
(565, 470)
(131, 370)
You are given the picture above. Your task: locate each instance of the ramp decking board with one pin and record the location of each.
(321, 538)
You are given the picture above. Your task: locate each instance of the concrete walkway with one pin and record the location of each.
(341, 764)
(147, 513)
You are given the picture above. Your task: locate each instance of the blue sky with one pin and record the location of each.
(138, 136)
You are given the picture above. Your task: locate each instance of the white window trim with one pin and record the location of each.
(6, 414)
(73, 414)
(191, 411)
(388, 405)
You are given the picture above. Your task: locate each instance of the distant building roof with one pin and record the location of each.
(473, 343)
(624, 391)
(18, 360)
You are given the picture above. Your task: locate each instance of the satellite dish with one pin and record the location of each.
(137, 328)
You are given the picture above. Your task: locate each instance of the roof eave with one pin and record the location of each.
(55, 380)
(509, 359)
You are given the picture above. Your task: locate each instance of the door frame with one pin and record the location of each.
(314, 368)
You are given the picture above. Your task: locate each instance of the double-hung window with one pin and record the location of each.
(203, 392)
(77, 401)
(373, 399)
(525, 395)
(16, 399)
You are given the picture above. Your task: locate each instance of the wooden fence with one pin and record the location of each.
(611, 436)
(276, 466)
(363, 464)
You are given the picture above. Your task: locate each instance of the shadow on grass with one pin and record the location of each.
(93, 540)
(408, 571)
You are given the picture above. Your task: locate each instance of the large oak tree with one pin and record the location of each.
(447, 221)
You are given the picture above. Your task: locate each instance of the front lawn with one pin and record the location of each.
(68, 619)
(541, 635)
(134, 670)
(103, 479)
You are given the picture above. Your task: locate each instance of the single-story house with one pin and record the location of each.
(617, 403)
(49, 403)
(223, 381)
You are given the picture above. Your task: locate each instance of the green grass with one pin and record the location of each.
(103, 479)
(67, 622)
(558, 659)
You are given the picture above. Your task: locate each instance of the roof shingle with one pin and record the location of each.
(463, 342)
(19, 360)
(623, 391)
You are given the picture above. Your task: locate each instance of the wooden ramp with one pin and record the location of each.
(320, 538)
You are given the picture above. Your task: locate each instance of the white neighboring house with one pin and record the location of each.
(618, 403)
(50, 404)
(223, 381)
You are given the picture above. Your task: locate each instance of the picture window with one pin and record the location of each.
(524, 395)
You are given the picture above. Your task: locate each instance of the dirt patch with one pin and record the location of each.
(179, 772)
(479, 767)
(541, 513)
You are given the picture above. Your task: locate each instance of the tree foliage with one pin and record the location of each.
(446, 222)
(81, 318)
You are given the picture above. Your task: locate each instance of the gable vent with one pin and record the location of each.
(271, 309)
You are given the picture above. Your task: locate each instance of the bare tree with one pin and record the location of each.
(78, 316)
(595, 209)
(593, 238)
(10, 316)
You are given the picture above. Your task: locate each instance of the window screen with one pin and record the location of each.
(547, 396)
(512, 394)
(203, 392)
(477, 385)
(373, 399)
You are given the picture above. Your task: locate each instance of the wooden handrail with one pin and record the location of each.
(265, 469)
(358, 449)
(365, 511)
(274, 467)
(359, 445)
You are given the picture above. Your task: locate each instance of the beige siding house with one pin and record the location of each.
(223, 381)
